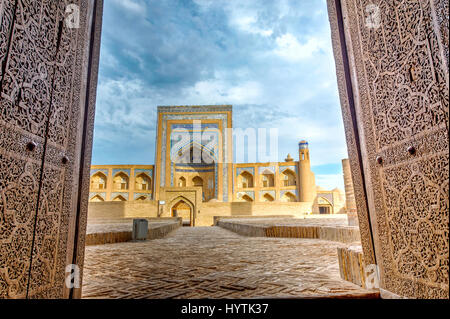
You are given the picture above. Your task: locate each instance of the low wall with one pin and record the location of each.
(341, 234)
(121, 210)
(217, 218)
(351, 265)
(108, 238)
(210, 210)
(159, 230)
(206, 211)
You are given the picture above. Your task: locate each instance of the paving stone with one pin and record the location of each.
(211, 262)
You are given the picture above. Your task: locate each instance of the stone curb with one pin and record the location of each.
(120, 237)
(343, 234)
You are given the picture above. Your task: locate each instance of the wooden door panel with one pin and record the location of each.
(400, 78)
(26, 82)
(24, 102)
(19, 184)
(48, 97)
(53, 248)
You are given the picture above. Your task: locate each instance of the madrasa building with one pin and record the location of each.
(194, 176)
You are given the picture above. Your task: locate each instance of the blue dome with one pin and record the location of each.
(303, 145)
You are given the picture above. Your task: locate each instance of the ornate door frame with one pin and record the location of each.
(391, 63)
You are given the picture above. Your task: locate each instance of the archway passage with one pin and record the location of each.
(325, 209)
(184, 210)
(325, 206)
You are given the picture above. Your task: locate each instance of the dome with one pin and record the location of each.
(289, 158)
(303, 144)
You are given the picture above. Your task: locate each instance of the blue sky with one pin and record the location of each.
(272, 60)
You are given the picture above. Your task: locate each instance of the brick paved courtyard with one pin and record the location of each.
(211, 262)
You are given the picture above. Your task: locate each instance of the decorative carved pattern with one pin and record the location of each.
(18, 199)
(42, 100)
(402, 84)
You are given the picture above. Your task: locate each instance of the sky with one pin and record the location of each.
(271, 60)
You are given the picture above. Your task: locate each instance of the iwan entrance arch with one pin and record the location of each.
(392, 70)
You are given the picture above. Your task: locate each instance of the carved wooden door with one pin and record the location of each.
(398, 66)
(48, 55)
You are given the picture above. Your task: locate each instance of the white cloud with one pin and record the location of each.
(292, 50)
(133, 6)
(223, 92)
(228, 52)
(249, 24)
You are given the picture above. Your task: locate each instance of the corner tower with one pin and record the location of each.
(307, 182)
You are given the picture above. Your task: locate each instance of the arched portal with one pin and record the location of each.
(325, 206)
(183, 208)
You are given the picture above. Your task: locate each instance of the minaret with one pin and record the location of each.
(307, 183)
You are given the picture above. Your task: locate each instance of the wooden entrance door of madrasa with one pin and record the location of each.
(392, 70)
(49, 58)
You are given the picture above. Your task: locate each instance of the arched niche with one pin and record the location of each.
(267, 178)
(267, 198)
(121, 181)
(143, 182)
(245, 180)
(181, 182)
(98, 181)
(288, 178)
(97, 198)
(197, 181)
(119, 198)
(288, 197)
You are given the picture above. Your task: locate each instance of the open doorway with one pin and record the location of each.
(182, 208)
(384, 64)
